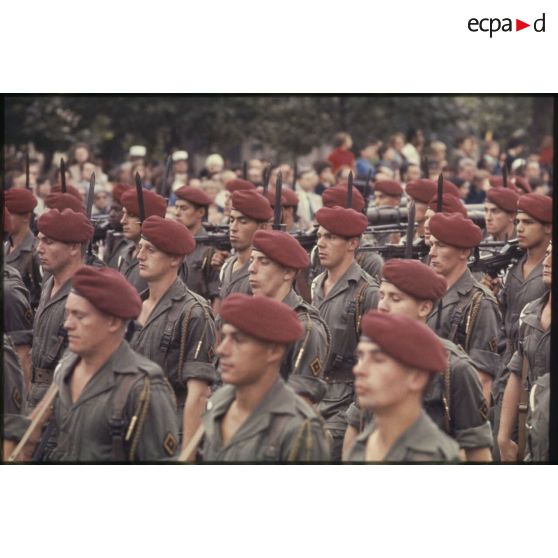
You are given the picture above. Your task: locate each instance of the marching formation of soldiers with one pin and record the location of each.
(426, 338)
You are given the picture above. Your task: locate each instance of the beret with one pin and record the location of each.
(107, 290)
(153, 203)
(138, 151)
(291, 198)
(168, 236)
(262, 317)
(337, 195)
(389, 187)
(69, 190)
(422, 190)
(414, 278)
(342, 221)
(20, 200)
(118, 190)
(455, 230)
(270, 195)
(194, 195)
(450, 204)
(252, 205)
(450, 188)
(64, 201)
(539, 207)
(406, 340)
(65, 226)
(521, 185)
(504, 198)
(7, 221)
(282, 248)
(239, 184)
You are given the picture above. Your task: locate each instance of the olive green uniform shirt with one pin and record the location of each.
(14, 394)
(115, 245)
(128, 265)
(83, 430)
(18, 315)
(283, 428)
(422, 441)
(234, 282)
(202, 278)
(304, 362)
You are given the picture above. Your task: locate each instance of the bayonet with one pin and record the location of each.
(439, 203)
(63, 175)
(505, 174)
(350, 191)
(27, 184)
(245, 170)
(166, 187)
(90, 195)
(277, 208)
(410, 230)
(367, 191)
(139, 191)
(295, 172)
(265, 179)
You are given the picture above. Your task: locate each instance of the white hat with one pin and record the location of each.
(214, 160)
(138, 151)
(180, 156)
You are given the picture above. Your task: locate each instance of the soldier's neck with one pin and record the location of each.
(248, 397)
(282, 291)
(505, 235)
(195, 228)
(17, 238)
(92, 363)
(157, 289)
(335, 273)
(455, 275)
(243, 256)
(60, 277)
(536, 253)
(393, 422)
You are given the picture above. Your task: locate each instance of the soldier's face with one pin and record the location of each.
(54, 256)
(242, 359)
(131, 226)
(530, 233)
(87, 328)
(266, 276)
(547, 266)
(445, 258)
(382, 199)
(333, 249)
(241, 230)
(420, 212)
(115, 215)
(497, 220)
(380, 381)
(394, 301)
(153, 263)
(187, 214)
(427, 216)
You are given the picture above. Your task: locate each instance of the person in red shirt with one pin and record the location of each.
(342, 156)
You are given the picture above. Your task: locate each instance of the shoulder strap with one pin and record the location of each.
(522, 410)
(446, 398)
(172, 318)
(457, 314)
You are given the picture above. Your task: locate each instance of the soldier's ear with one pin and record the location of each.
(548, 230)
(418, 380)
(424, 308)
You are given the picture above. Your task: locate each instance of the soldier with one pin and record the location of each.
(255, 416)
(115, 241)
(341, 294)
(528, 366)
(175, 328)
(397, 356)
(13, 388)
(131, 227)
(190, 209)
(387, 193)
(468, 313)
(112, 404)
(421, 192)
(453, 399)
(250, 212)
(63, 238)
(275, 259)
(500, 208)
(63, 201)
(21, 251)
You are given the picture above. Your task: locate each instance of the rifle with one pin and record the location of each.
(219, 240)
(503, 255)
(386, 215)
(419, 250)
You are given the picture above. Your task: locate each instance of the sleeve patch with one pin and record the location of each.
(483, 409)
(16, 398)
(169, 444)
(316, 367)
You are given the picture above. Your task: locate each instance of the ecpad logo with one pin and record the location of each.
(493, 25)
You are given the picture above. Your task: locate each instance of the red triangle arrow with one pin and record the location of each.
(519, 25)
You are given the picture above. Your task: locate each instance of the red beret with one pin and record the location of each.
(168, 236)
(406, 340)
(7, 221)
(539, 207)
(389, 187)
(65, 226)
(455, 230)
(118, 190)
(450, 204)
(291, 198)
(450, 188)
(252, 205)
(107, 290)
(337, 195)
(414, 278)
(496, 181)
(282, 248)
(504, 198)
(69, 190)
(194, 195)
(422, 190)
(270, 195)
(521, 185)
(64, 201)
(20, 200)
(262, 317)
(341, 221)
(153, 203)
(239, 184)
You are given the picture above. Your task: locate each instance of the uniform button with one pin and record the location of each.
(209, 405)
